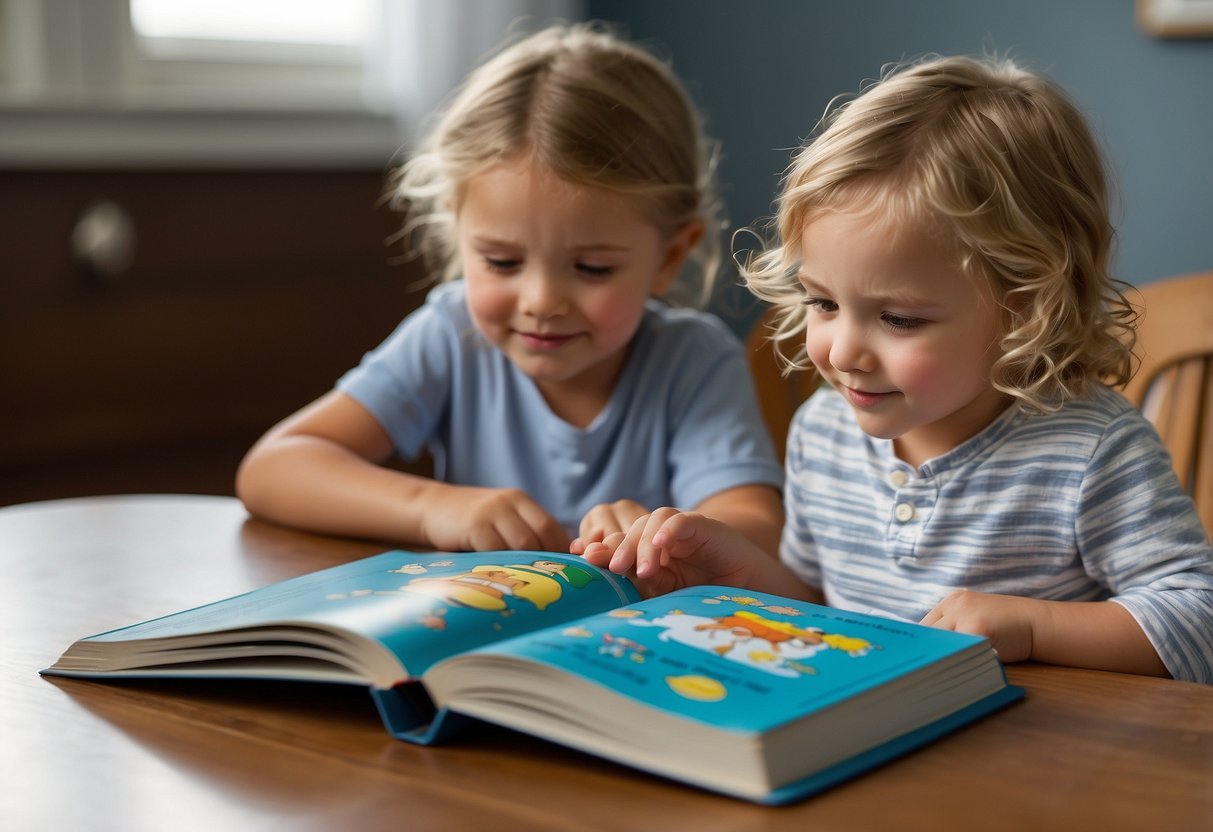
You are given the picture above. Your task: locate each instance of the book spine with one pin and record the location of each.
(409, 714)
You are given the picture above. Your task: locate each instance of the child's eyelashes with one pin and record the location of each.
(901, 323)
(591, 270)
(503, 265)
(820, 304)
(511, 265)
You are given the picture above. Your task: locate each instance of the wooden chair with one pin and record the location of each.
(1174, 385)
(778, 395)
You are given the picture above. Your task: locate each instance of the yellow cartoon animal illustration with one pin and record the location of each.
(488, 586)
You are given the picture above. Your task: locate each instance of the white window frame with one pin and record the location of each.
(75, 91)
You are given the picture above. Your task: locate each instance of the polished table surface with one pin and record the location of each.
(1085, 750)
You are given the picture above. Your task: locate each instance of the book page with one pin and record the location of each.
(422, 607)
(742, 660)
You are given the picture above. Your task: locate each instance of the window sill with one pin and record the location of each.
(62, 137)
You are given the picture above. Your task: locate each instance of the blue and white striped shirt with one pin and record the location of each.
(1078, 505)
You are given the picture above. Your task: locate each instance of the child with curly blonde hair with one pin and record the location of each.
(560, 194)
(943, 252)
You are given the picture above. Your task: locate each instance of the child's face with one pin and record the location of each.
(558, 275)
(899, 329)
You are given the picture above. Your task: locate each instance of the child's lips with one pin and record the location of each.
(865, 398)
(544, 341)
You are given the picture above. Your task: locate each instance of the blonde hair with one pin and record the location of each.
(1003, 163)
(591, 107)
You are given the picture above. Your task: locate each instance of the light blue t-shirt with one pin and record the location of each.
(682, 424)
(1077, 505)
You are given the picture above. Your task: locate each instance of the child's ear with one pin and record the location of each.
(681, 243)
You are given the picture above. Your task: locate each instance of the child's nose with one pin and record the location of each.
(541, 295)
(849, 350)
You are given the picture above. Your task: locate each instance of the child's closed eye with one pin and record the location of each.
(901, 323)
(504, 265)
(595, 271)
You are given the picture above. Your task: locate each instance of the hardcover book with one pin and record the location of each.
(744, 693)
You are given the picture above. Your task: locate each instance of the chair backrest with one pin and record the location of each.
(779, 395)
(1174, 384)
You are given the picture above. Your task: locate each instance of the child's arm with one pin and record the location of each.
(1097, 634)
(670, 549)
(754, 510)
(320, 470)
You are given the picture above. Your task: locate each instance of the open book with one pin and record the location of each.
(744, 693)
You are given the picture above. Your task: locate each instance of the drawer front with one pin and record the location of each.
(242, 296)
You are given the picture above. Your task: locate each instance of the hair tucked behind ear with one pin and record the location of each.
(1003, 162)
(588, 105)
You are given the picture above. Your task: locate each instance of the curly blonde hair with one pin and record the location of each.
(1003, 162)
(591, 107)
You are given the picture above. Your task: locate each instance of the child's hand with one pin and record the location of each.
(670, 549)
(483, 519)
(1006, 620)
(606, 519)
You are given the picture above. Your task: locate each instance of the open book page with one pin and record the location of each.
(421, 607)
(742, 692)
(741, 661)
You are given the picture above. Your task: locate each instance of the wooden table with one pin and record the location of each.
(1085, 750)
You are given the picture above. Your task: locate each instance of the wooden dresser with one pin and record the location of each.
(145, 348)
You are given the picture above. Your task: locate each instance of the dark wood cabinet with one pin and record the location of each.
(247, 294)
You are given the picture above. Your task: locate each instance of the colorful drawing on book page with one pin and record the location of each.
(749, 638)
(697, 687)
(425, 610)
(489, 586)
(620, 647)
(736, 664)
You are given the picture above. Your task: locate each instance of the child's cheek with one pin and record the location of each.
(489, 301)
(818, 348)
(920, 376)
(614, 313)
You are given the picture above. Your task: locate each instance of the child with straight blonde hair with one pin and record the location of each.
(943, 252)
(559, 193)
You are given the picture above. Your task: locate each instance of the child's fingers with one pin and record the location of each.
(596, 553)
(930, 618)
(508, 531)
(518, 529)
(623, 552)
(677, 534)
(579, 544)
(600, 552)
(649, 555)
(591, 527)
(547, 533)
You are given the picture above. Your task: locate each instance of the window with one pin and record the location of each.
(306, 22)
(235, 82)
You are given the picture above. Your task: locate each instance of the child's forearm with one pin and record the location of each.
(317, 485)
(1101, 634)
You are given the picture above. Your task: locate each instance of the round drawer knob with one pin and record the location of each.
(104, 239)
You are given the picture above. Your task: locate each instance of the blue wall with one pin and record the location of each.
(763, 72)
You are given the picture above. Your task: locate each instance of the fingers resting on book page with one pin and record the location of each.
(670, 549)
(606, 519)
